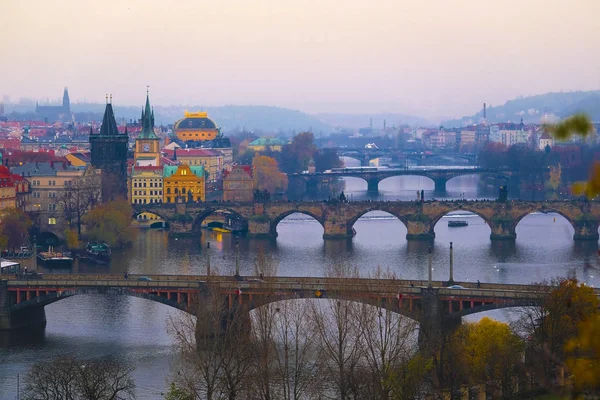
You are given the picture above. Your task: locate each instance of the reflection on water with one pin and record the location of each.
(133, 328)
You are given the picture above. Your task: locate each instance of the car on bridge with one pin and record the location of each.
(456, 287)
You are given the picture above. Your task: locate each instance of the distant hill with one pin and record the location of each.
(230, 117)
(356, 121)
(534, 108)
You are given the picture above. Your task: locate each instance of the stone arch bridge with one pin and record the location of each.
(419, 218)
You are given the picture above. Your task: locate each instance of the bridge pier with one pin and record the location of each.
(419, 230)
(502, 229)
(586, 229)
(440, 185)
(32, 317)
(337, 229)
(373, 185)
(261, 227)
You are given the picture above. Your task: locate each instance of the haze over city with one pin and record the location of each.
(427, 58)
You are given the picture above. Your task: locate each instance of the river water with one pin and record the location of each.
(136, 329)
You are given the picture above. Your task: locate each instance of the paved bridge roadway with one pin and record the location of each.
(338, 218)
(22, 301)
(440, 176)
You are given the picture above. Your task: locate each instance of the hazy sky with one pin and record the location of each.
(423, 57)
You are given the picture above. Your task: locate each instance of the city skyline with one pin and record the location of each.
(312, 56)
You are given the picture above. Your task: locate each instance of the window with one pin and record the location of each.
(67, 183)
(135, 184)
(144, 184)
(51, 195)
(51, 221)
(168, 190)
(35, 195)
(51, 207)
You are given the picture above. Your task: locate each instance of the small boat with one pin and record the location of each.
(455, 224)
(98, 252)
(56, 259)
(222, 230)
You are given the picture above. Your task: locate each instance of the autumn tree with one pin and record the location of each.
(555, 176)
(584, 353)
(71, 378)
(493, 354)
(81, 196)
(14, 228)
(296, 155)
(267, 175)
(551, 322)
(327, 159)
(110, 223)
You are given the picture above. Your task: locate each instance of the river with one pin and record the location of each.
(136, 329)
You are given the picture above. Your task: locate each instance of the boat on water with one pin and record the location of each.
(97, 252)
(55, 259)
(455, 224)
(222, 230)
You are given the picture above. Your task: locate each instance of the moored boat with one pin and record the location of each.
(98, 252)
(455, 224)
(55, 259)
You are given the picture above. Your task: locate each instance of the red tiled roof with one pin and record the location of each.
(191, 153)
(247, 168)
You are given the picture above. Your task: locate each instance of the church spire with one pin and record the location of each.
(147, 120)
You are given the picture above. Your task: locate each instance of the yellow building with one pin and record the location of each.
(147, 144)
(196, 126)
(183, 183)
(146, 184)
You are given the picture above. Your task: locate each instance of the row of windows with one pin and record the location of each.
(143, 201)
(173, 199)
(144, 192)
(183, 190)
(152, 184)
(50, 183)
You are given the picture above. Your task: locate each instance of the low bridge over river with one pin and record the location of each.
(440, 176)
(22, 301)
(338, 218)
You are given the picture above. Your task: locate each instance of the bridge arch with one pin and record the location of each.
(140, 211)
(53, 296)
(402, 175)
(544, 210)
(202, 215)
(277, 219)
(465, 208)
(356, 217)
(47, 238)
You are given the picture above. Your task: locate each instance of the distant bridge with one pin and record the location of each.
(440, 176)
(22, 301)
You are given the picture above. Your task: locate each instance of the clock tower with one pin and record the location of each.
(147, 145)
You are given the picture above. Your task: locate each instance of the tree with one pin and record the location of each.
(110, 223)
(327, 159)
(14, 228)
(82, 195)
(584, 352)
(555, 176)
(72, 378)
(267, 175)
(493, 353)
(551, 322)
(337, 328)
(215, 352)
(296, 155)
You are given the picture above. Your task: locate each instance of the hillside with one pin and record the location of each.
(533, 108)
(357, 121)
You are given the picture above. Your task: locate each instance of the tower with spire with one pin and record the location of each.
(109, 153)
(147, 144)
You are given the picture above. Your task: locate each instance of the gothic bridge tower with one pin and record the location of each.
(109, 153)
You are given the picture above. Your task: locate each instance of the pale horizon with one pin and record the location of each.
(423, 58)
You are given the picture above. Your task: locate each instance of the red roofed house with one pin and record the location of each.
(238, 184)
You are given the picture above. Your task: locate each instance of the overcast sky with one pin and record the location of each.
(423, 57)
